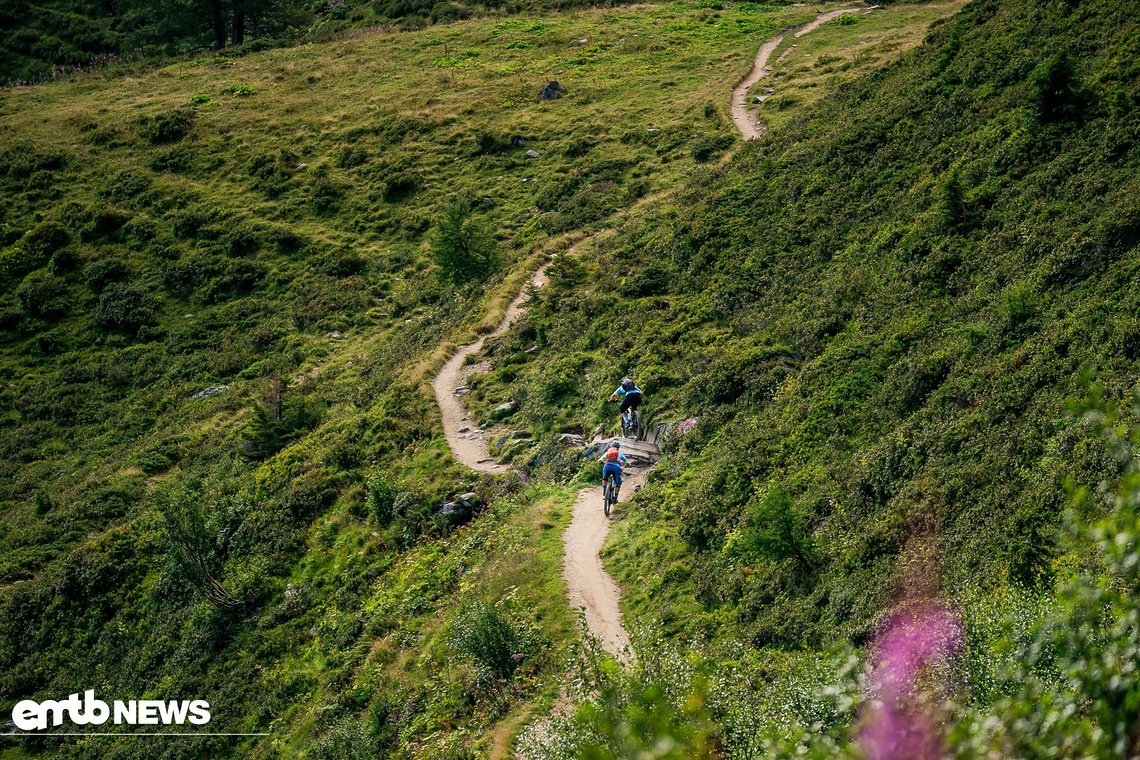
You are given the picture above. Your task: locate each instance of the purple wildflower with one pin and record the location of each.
(897, 726)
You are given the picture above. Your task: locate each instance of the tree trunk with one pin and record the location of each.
(238, 36)
(219, 23)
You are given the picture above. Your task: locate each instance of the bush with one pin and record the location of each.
(710, 146)
(167, 127)
(382, 494)
(42, 294)
(33, 250)
(490, 640)
(127, 307)
(324, 192)
(99, 274)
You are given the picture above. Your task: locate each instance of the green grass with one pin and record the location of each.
(260, 223)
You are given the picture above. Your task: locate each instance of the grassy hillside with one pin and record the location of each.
(220, 471)
(224, 283)
(880, 314)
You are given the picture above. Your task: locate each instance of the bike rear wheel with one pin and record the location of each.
(608, 494)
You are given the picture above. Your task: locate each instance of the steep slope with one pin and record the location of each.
(879, 314)
(220, 473)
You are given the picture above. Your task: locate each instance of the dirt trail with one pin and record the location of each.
(592, 589)
(748, 126)
(470, 446)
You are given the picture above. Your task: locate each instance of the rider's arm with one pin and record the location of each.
(623, 459)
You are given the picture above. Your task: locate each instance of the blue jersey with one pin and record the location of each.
(621, 392)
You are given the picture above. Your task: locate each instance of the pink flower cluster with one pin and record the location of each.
(899, 724)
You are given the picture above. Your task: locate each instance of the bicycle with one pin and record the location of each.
(631, 424)
(609, 493)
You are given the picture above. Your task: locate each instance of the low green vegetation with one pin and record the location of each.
(878, 315)
(224, 283)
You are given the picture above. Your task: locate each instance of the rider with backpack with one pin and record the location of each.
(612, 461)
(631, 396)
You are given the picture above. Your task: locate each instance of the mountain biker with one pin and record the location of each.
(630, 395)
(612, 461)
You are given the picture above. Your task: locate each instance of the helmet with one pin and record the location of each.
(616, 444)
(627, 383)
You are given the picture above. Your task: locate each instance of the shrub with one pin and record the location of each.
(400, 185)
(167, 127)
(462, 246)
(127, 307)
(350, 157)
(710, 146)
(271, 172)
(382, 494)
(33, 249)
(177, 160)
(324, 192)
(492, 641)
(42, 294)
(99, 274)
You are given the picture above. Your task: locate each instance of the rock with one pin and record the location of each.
(463, 428)
(517, 142)
(583, 41)
(505, 408)
(462, 390)
(460, 509)
(533, 153)
(335, 335)
(519, 435)
(551, 91)
(487, 202)
(213, 390)
(302, 166)
(571, 439)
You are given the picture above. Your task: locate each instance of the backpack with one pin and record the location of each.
(612, 454)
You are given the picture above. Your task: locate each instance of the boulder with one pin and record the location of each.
(571, 439)
(533, 153)
(213, 390)
(460, 509)
(551, 91)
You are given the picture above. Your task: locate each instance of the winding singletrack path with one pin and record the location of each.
(470, 446)
(590, 588)
(748, 126)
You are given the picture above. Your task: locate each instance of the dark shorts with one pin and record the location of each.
(630, 401)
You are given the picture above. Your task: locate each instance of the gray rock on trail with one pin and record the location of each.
(571, 439)
(551, 90)
(213, 390)
(462, 390)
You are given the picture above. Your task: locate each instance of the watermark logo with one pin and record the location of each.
(30, 715)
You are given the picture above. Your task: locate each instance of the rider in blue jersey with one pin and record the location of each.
(630, 395)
